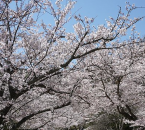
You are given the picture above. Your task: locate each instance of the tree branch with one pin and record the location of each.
(23, 120)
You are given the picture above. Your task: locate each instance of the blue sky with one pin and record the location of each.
(105, 8)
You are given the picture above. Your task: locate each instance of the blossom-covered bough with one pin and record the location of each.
(50, 78)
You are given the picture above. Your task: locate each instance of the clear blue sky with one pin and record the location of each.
(105, 8)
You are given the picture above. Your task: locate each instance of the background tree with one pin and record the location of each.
(46, 73)
(121, 73)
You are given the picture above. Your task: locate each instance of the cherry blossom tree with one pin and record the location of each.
(117, 76)
(52, 78)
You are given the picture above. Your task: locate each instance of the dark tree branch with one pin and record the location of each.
(129, 116)
(23, 120)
